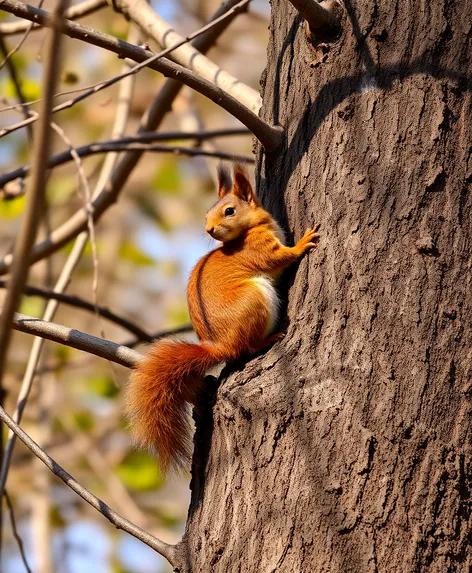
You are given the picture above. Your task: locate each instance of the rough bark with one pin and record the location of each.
(346, 447)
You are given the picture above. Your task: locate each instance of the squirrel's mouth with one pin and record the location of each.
(218, 234)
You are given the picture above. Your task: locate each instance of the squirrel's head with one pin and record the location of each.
(238, 208)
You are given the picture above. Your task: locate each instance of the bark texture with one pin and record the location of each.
(346, 447)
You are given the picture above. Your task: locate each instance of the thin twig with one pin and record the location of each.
(14, 529)
(269, 136)
(125, 144)
(87, 446)
(142, 13)
(35, 200)
(120, 522)
(33, 359)
(216, 22)
(20, 43)
(318, 15)
(77, 339)
(34, 205)
(123, 109)
(62, 282)
(73, 13)
(17, 85)
(78, 302)
(87, 196)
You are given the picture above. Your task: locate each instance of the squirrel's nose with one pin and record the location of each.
(210, 230)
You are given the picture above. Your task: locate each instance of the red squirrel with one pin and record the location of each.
(233, 306)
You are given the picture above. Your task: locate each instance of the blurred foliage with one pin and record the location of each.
(102, 385)
(167, 179)
(130, 252)
(146, 244)
(140, 472)
(12, 208)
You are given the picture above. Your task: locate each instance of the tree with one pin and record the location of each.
(346, 446)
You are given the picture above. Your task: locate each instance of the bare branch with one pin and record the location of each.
(269, 136)
(318, 15)
(140, 12)
(14, 529)
(35, 197)
(124, 144)
(120, 522)
(35, 354)
(86, 446)
(64, 278)
(16, 83)
(78, 302)
(13, 51)
(73, 13)
(123, 109)
(34, 202)
(77, 339)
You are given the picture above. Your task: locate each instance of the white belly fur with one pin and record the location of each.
(267, 288)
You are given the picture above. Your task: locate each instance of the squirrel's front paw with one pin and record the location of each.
(309, 240)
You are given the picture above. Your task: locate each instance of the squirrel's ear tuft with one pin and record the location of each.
(225, 184)
(242, 188)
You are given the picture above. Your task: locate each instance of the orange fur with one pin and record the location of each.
(232, 304)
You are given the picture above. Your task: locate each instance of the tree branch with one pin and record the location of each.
(124, 144)
(73, 13)
(140, 12)
(318, 15)
(77, 339)
(78, 302)
(269, 136)
(168, 551)
(34, 203)
(16, 535)
(224, 18)
(34, 206)
(17, 84)
(107, 194)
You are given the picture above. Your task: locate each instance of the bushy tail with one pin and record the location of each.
(168, 377)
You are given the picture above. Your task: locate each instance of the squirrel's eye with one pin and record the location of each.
(229, 211)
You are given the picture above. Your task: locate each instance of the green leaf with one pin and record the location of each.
(31, 89)
(32, 306)
(139, 472)
(130, 252)
(178, 313)
(167, 520)
(84, 420)
(61, 352)
(55, 517)
(13, 208)
(61, 189)
(167, 179)
(102, 385)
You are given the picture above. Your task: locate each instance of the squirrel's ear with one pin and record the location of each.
(225, 183)
(242, 188)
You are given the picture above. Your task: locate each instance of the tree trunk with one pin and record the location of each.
(346, 447)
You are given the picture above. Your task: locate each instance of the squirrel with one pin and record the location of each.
(233, 305)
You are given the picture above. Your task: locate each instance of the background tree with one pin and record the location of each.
(346, 446)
